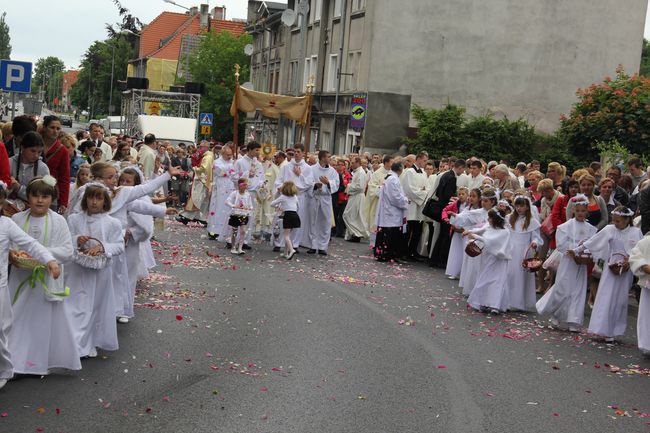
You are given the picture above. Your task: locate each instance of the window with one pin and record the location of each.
(293, 72)
(351, 141)
(337, 8)
(332, 75)
(354, 61)
(315, 11)
(309, 73)
(358, 5)
(325, 142)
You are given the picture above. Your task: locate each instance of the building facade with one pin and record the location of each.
(510, 58)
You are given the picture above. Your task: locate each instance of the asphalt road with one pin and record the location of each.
(335, 344)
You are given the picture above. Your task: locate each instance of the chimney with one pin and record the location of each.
(205, 17)
(219, 13)
(193, 11)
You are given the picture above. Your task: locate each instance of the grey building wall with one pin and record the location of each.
(519, 58)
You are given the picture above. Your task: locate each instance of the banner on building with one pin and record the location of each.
(358, 110)
(273, 106)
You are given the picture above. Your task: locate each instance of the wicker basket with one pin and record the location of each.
(583, 259)
(617, 263)
(473, 249)
(22, 260)
(87, 261)
(11, 208)
(532, 264)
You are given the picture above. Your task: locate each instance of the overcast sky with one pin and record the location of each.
(66, 28)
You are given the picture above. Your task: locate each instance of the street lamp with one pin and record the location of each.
(172, 2)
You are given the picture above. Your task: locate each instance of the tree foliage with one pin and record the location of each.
(45, 69)
(615, 110)
(645, 59)
(213, 65)
(92, 88)
(5, 38)
(449, 132)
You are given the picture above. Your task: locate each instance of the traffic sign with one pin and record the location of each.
(15, 76)
(205, 119)
(206, 130)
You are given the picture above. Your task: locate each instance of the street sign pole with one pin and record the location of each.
(13, 105)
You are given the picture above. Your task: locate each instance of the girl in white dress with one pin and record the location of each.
(287, 204)
(489, 293)
(524, 234)
(92, 299)
(565, 299)
(615, 241)
(457, 248)
(241, 208)
(10, 234)
(640, 265)
(42, 335)
(472, 219)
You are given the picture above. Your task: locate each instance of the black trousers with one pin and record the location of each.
(339, 229)
(441, 250)
(413, 234)
(388, 244)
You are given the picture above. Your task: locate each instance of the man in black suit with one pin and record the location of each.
(445, 191)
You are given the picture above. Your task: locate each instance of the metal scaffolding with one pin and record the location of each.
(184, 105)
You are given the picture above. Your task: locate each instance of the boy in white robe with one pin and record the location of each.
(354, 212)
(326, 182)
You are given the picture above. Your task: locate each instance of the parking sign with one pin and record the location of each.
(15, 76)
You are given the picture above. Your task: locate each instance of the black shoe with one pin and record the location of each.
(212, 237)
(311, 251)
(246, 247)
(182, 219)
(322, 252)
(276, 249)
(354, 239)
(228, 245)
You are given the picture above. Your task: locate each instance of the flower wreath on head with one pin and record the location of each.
(624, 213)
(580, 199)
(498, 214)
(505, 204)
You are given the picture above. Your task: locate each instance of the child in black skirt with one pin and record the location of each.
(241, 206)
(288, 204)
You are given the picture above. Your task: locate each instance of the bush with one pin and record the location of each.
(617, 110)
(447, 132)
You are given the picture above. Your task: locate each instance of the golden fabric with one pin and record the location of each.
(273, 106)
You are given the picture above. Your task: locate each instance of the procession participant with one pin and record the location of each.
(340, 197)
(503, 179)
(11, 234)
(524, 236)
(299, 172)
(288, 205)
(390, 216)
(614, 243)
(27, 164)
(36, 346)
(92, 303)
(223, 183)
(325, 181)
(265, 214)
(354, 213)
(640, 266)
(198, 204)
(429, 226)
(372, 195)
(147, 156)
(457, 248)
(490, 292)
(414, 182)
(56, 157)
(249, 167)
(444, 192)
(97, 137)
(476, 176)
(20, 126)
(565, 299)
(240, 203)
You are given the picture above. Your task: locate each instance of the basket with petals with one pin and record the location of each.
(473, 249)
(583, 259)
(532, 264)
(22, 260)
(82, 258)
(617, 263)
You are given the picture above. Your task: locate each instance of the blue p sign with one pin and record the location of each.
(15, 76)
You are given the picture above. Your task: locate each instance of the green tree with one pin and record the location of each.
(615, 110)
(92, 89)
(5, 38)
(213, 65)
(44, 70)
(645, 59)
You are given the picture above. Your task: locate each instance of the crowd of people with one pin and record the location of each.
(79, 215)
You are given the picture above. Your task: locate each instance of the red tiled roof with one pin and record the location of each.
(163, 26)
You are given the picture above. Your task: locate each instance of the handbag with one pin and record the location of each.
(547, 227)
(433, 209)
